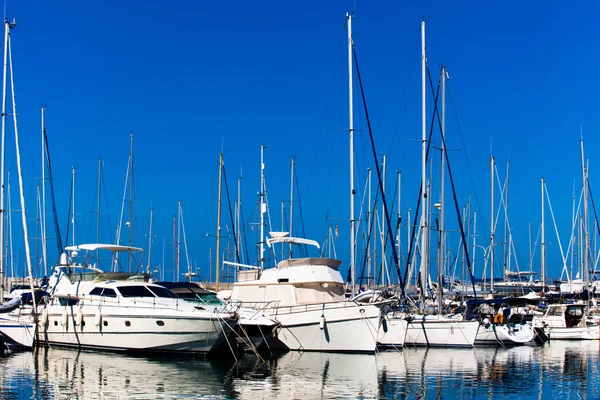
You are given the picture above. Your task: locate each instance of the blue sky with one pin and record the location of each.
(193, 79)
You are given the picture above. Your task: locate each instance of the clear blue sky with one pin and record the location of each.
(192, 79)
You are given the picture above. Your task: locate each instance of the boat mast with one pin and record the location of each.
(369, 217)
(178, 239)
(543, 234)
(20, 176)
(73, 204)
(491, 249)
(263, 207)
(43, 214)
(292, 202)
(238, 219)
(130, 258)
(383, 214)
(424, 216)
(218, 252)
(7, 27)
(149, 243)
(586, 239)
(441, 244)
(98, 208)
(351, 132)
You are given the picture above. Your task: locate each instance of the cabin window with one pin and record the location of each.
(555, 311)
(160, 323)
(280, 280)
(160, 291)
(107, 292)
(135, 291)
(575, 311)
(127, 323)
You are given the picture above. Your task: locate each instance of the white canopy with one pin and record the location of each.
(99, 246)
(286, 239)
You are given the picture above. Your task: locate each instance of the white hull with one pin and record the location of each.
(132, 329)
(18, 332)
(505, 335)
(392, 331)
(441, 332)
(333, 327)
(575, 333)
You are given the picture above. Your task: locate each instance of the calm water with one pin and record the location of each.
(559, 370)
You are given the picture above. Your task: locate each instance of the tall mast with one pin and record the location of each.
(543, 257)
(441, 244)
(292, 201)
(424, 216)
(130, 259)
(44, 254)
(586, 244)
(73, 205)
(383, 214)
(351, 132)
(178, 245)
(20, 176)
(218, 252)
(7, 27)
(98, 207)
(263, 206)
(491, 250)
(238, 220)
(149, 244)
(369, 216)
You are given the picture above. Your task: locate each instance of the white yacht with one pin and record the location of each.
(90, 309)
(568, 322)
(306, 297)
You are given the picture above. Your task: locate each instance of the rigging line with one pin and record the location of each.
(297, 185)
(415, 224)
(387, 217)
(68, 218)
(59, 242)
(457, 207)
(213, 189)
(236, 253)
(462, 140)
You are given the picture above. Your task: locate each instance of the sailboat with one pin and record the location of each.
(17, 326)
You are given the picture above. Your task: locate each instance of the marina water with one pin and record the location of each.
(569, 370)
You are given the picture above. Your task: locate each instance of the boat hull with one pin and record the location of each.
(330, 327)
(18, 333)
(505, 335)
(137, 331)
(575, 333)
(440, 332)
(392, 331)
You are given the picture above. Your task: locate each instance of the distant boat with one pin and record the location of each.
(93, 310)
(569, 322)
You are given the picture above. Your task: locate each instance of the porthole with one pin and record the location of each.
(160, 323)
(82, 324)
(55, 323)
(127, 323)
(105, 323)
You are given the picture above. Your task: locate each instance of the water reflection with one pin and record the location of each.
(559, 369)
